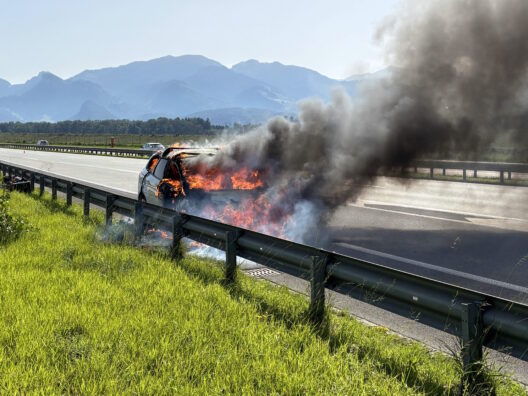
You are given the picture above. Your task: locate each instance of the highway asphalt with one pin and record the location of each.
(473, 235)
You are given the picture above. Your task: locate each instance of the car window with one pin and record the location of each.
(151, 164)
(159, 172)
(173, 172)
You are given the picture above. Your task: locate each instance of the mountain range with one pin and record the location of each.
(182, 86)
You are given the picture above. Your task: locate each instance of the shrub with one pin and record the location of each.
(10, 227)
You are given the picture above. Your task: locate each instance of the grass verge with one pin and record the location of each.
(85, 317)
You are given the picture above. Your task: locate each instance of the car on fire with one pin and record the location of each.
(176, 178)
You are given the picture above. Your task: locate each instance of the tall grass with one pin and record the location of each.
(80, 316)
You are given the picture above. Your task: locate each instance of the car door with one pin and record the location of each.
(152, 181)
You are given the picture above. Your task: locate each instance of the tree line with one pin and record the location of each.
(158, 126)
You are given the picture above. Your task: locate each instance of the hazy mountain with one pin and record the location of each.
(130, 82)
(92, 111)
(48, 97)
(176, 99)
(235, 89)
(189, 85)
(293, 82)
(4, 87)
(370, 76)
(7, 115)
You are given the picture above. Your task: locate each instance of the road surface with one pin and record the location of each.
(473, 235)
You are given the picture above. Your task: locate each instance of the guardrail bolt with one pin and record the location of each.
(69, 193)
(472, 339)
(109, 209)
(231, 256)
(86, 205)
(53, 189)
(317, 283)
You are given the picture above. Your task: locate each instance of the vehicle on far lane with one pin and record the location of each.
(153, 147)
(42, 143)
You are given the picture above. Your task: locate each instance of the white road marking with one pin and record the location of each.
(449, 271)
(373, 202)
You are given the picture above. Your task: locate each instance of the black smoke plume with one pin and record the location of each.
(458, 82)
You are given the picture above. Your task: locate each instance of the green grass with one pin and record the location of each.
(80, 316)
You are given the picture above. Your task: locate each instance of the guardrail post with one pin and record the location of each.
(109, 209)
(415, 169)
(443, 171)
(509, 175)
(231, 256)
(42, 184)
(431, 173)
(177, 234)
(86, 205)
(32, 182)
(472, 338)
(474, 173)
(139, 220)
(69, 193)
(317, 286)
(502, 177)
(53, 189)
(464, 174)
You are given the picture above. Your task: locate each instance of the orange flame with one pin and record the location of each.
(257, 214)
(245, 179)
(210, 179)
(153, 164)
(175, 185)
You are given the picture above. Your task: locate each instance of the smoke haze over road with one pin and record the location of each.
(459, 81)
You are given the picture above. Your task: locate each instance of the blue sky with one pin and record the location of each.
(65, 37)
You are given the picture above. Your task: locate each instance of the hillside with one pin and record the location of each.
(169, 87)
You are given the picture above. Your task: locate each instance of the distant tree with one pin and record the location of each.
(159, 126)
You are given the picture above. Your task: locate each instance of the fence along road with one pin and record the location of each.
(479, 319)
(501, 168)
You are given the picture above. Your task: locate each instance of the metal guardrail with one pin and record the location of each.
(501, 167)
(81, 150)
(479, 319)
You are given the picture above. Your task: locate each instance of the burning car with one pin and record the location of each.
(179, 178)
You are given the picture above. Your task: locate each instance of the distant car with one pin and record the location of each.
(42, 143)
(173, 179)
(153, 147)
